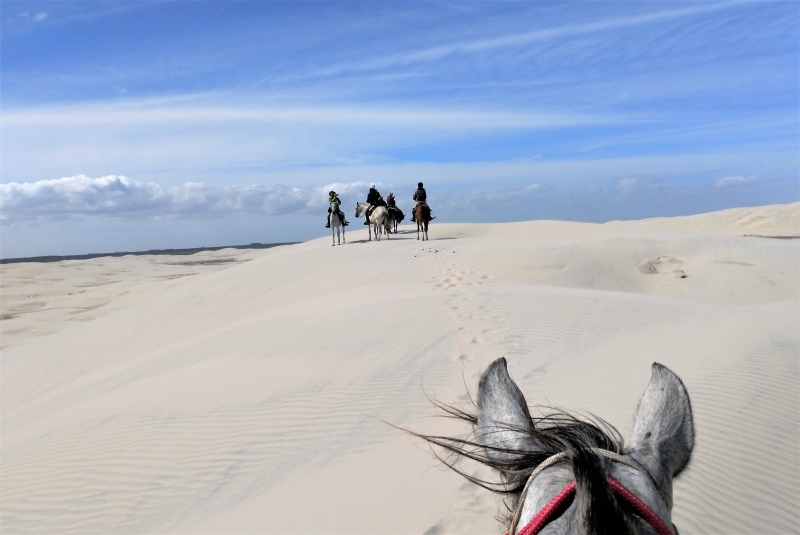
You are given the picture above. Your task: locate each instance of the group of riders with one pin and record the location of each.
(375, 199)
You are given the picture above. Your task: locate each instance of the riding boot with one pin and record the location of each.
(328, 224)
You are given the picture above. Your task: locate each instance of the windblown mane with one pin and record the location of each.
(553, 432)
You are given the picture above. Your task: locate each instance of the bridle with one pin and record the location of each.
(556, 506)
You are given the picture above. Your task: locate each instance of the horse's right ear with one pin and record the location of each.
(663, 429)
(504, 423)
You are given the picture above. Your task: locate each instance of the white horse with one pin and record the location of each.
(337, 229)
(562, 474)
(378, 218)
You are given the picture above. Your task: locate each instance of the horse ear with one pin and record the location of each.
(663, 429)
(504, 422)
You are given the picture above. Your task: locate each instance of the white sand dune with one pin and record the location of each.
(254, 399)
(772, 220)
(44, 298)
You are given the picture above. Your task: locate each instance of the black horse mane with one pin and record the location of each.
(553, 431)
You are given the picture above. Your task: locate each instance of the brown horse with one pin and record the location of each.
(422, 215)
(395, 216)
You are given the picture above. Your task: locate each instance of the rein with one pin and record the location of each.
(556, 505)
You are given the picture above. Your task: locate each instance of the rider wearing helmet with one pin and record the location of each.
(334, 202)
(420, 196)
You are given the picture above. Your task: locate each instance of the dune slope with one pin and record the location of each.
(259, 398)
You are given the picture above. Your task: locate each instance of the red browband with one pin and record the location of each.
(555, 507)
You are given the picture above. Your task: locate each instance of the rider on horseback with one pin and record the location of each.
(396, 215)
(373, 199)
(334, 202)
(420, 197)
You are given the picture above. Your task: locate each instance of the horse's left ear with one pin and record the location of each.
(504, 423)
(663, 429)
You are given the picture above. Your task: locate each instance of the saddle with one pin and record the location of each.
(426, 210)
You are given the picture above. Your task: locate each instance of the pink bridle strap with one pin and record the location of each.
(548, 512)
(641, 508)
(556, 506)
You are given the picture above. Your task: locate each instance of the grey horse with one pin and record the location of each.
(615, 489)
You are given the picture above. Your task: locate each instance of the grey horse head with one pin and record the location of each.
(514, 443)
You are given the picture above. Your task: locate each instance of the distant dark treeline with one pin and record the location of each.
(139, 253)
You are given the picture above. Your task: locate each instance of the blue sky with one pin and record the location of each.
(137, 125)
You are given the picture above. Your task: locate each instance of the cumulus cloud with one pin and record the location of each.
(118, 196)
(736, 180)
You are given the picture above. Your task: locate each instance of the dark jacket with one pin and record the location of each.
(390, 200)
(373, 196)
(420, 195)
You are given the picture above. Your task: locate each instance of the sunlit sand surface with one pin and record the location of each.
(252, 391)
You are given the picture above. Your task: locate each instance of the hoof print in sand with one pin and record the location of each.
(663, 265)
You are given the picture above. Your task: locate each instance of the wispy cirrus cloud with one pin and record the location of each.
(222, 135)
(36, 17)
(206, 109)
(736, 180)
(518, 39)
(631, 185)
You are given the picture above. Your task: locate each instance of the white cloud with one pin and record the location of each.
(26, 15)
(464, 47)
(118, 196)
(635, 184)
(225, 137)
(78, 197)
(736, 180)
(192, 111)
(482, 200)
